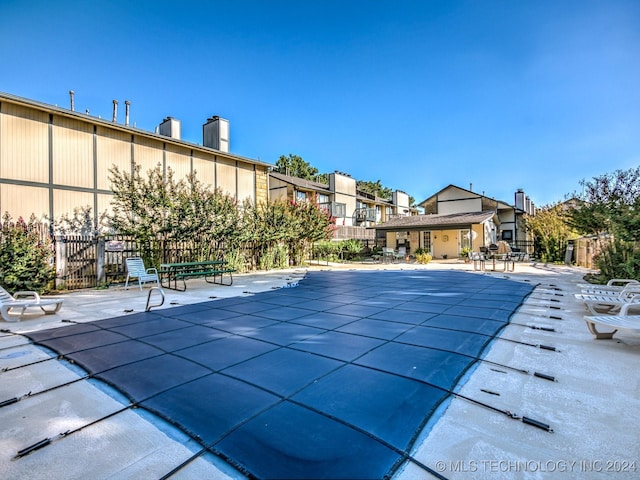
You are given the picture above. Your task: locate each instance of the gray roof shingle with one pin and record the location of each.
(450, 220)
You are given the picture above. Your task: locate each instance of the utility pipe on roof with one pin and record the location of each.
(71, 94)
(126, 112)
(115, 110)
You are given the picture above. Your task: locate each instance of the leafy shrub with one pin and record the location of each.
(618, 259)
(465, 252)
(423, 256)
(160, 208)
(237, 260)
(26, 257)
(351, 248)
(328, 250)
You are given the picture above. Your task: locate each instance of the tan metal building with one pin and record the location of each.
(53, 160)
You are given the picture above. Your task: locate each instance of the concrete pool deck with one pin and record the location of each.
(591, 406)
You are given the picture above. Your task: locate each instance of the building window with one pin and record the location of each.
(301, 196)
(323, 198)
(507, 235)
(338, 210)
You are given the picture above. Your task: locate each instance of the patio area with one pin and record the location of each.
(324, 386)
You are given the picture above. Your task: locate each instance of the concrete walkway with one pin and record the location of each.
(591, 406)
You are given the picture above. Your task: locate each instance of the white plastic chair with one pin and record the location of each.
(478, 260)
(401, 253)
(136, 269)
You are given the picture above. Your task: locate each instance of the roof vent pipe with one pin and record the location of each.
(71, 93)
(126, 112)
(115, 110)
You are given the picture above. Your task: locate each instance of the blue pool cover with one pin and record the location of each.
(334, 378)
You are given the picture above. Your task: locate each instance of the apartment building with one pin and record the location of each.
(353, 210)
(457, 218)
(55, 159)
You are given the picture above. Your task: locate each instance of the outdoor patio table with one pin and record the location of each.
(499, 256)
(171, 272)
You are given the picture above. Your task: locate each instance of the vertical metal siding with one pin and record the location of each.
(50, 150)
(205, 168)
(104, 204)
(22, 201)
(246, 183)
(179, 159)
(226, 176)
(113, 148)
(72, 152)
(148, 153)
(25, 144)
(64, 201)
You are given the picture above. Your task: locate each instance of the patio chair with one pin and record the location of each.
(136, 269)
(21, 301)
(478, 260)
(622, 321)
(400, 254)
(388, 254)
(603, 303)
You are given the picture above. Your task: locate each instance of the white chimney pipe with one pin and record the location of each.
(115, 110)
(71, 93)
(126, 114)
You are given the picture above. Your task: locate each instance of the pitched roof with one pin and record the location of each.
(475, 194)
(450, 220)
(300, 182)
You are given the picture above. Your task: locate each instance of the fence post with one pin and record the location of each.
(61, 261)
(101, 274)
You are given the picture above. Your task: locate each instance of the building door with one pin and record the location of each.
(465, 238)
(426, 242)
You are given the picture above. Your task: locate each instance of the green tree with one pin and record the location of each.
(322, 178)
(551, 230)
(609, 208)
(374, 188)
(159, 208)
(610, 203)
(295, 166)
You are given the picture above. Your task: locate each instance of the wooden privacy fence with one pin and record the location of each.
(345, 232)
(88, 261)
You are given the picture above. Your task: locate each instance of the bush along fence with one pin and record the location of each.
(164, 220)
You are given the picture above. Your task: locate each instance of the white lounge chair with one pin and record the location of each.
(610, 303)
(21, 301)
(136, 269)
(613, 286)
(622, 321)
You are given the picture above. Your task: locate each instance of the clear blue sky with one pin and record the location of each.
(418, 94)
